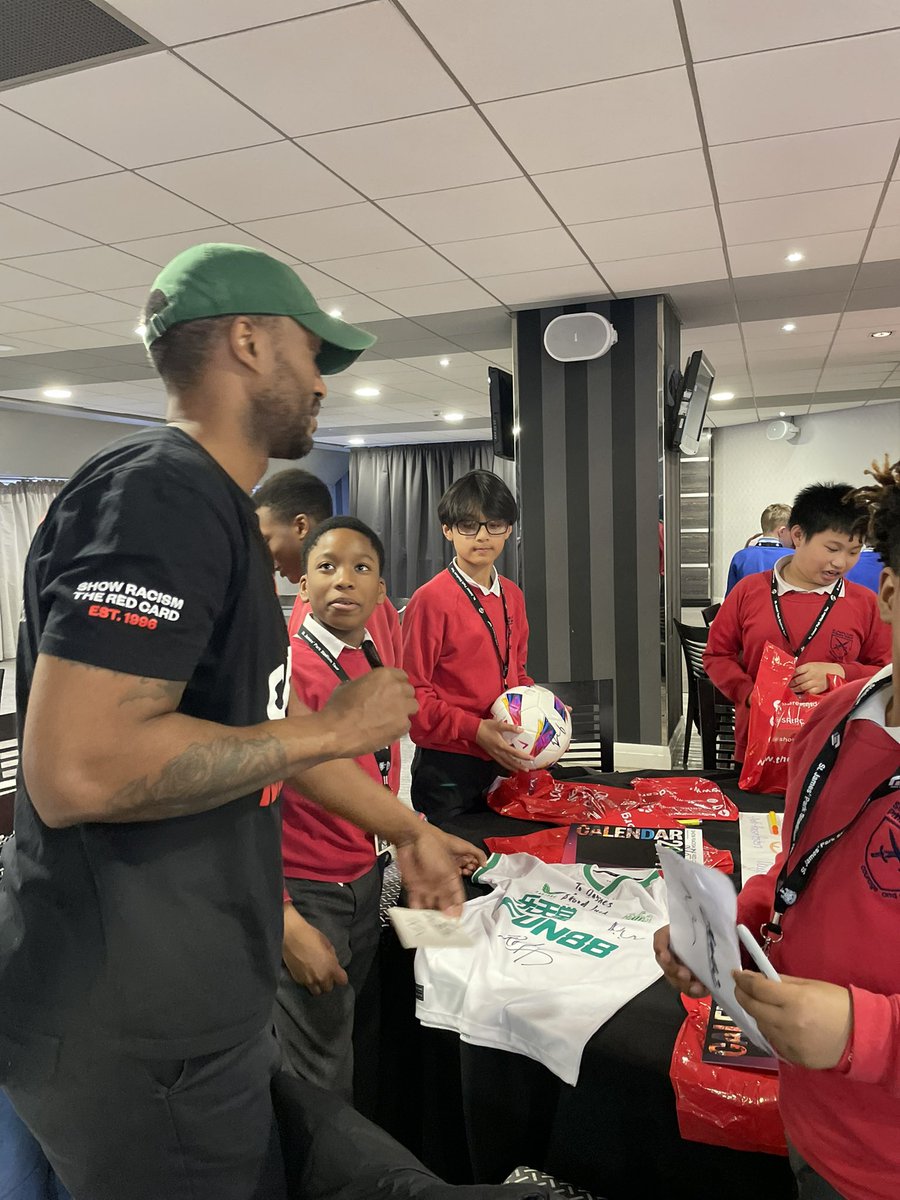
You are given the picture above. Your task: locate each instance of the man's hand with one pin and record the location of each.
(811, 679)
(468, 858)
(371, 712)
(429, 871)
(807, 1021)
(676, 973)
(309, 956)
(491, 740)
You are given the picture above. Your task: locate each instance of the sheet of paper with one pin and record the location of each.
(703, 934)
(423, 927)
(759, 845)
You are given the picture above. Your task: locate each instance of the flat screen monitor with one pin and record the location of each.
(502, 412)
(696, 386)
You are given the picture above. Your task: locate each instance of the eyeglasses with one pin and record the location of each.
(473, 528)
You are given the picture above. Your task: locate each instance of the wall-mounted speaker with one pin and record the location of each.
(577, 337)
(781, 431)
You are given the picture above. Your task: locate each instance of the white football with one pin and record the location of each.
(544, 719)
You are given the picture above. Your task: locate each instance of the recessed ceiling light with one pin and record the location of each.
(781, 414)
(881, 333)
(454, 416)
(795, 256)
(356, 441)
(367, 393)
(57, 393)
(335, 312)
(722, 396)
(140, 330)
(789, 328)
(444, 362)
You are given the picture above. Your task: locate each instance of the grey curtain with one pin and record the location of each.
(396, 490)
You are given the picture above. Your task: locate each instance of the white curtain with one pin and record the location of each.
(23, 506)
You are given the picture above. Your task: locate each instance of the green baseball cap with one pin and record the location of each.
(217, 279)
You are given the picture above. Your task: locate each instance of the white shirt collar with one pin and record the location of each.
(784, 586)
(493, 590)
(332, 644)
(875, 708)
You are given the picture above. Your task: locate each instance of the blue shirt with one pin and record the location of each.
(866, 571)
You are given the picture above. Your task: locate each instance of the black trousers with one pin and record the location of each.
(115, 1126)
(316, 1032)
(446, 785)
(810, 1185)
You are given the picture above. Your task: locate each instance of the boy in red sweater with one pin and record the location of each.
(804, 605)
(835, 1016)
(333, 882)
(289, 506)
(465, 640)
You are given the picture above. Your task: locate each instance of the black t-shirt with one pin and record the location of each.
(163, 935)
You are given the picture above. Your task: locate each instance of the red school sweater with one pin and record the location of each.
(853, 635)
(449, 657)
(843, 930)
(315, 844)
(383, 625)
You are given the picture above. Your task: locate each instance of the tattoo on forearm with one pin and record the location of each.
(156, 690)
(202, 777)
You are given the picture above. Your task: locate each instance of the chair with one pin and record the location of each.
(693, 642)
(716, 726)
(593, 723)
(9, 762)
(709, 614)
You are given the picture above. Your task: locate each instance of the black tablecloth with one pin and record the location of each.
(472, 1112)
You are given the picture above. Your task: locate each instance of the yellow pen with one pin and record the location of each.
(773, 823)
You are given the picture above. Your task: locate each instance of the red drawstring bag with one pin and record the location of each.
(537, 796)
(549, 845)
(777, 714)
(722, 1105)
(688, 798)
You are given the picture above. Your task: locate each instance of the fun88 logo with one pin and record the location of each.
(544, 918)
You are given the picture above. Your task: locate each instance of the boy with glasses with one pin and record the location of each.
(465, 640)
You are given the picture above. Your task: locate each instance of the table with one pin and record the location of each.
(473, 1112)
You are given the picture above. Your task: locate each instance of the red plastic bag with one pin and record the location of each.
(688, 798)
(549, 845)
(720, 1105)
(537, 796)
(777, 714)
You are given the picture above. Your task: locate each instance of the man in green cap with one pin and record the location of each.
(141, 906)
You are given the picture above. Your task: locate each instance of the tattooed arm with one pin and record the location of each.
(101, 745)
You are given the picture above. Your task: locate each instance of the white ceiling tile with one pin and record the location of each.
(160, 250)
(510, 47)
(599, 122)
(260, 181)
(817, 324)
(174, 21)
(884, 244)
(538, 287)
(12, 320)
(97, 268)
(76, 337)
(485, 210)
(890, 209)
(827, 250)
(788, 343)
(21, 234)
(112, 208)
(19, 285)
(718, 28)
(730, 335)
(34, 156)
(372, 273)
(333, 232)
(124, 329)
(809, 87)
(436, 298)
(872, 318)
(539, 250)
(322, 286)
(85, 308)
(390, 72)
(142, 110)
(657, 233)
(664, 270)
(830, 408)
(628, 189)
(358, 309)
(806, 213)
(418, 154)
(134, 297)
(804, 162)
(773, 360)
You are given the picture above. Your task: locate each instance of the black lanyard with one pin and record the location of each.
(383, 756)
(502, 661)
(817, 623)
(793, 881)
